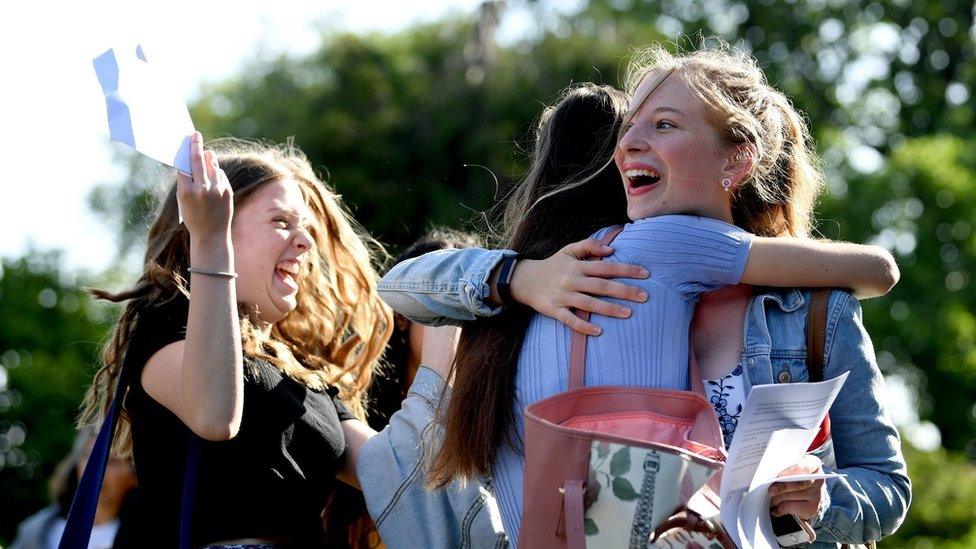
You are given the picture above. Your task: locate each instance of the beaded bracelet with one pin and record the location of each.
(218, 274)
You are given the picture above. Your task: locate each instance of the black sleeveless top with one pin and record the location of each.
(270, 481)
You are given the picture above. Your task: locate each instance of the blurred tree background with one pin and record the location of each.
(430, 125)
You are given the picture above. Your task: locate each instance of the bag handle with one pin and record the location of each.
(81, 516)
(577, 349)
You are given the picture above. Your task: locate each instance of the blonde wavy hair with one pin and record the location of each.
(778, 197)
(338, 331)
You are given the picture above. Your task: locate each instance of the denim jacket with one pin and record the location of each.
(392, 473)
(869, 502)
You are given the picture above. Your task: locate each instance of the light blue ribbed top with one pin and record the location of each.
(686, 255)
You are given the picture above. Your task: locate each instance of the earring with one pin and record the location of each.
(726, 184)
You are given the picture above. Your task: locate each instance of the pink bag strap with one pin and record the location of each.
(573, 511)
(577, 349)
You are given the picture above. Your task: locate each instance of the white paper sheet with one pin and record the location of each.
(777, 425)
(144, 112)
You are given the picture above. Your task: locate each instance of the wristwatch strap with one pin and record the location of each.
(503, 285)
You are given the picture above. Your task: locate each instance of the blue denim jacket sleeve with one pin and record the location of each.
(872, 499)
(444, 286)
(392, 473)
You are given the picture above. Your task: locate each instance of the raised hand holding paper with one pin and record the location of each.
(143, 110)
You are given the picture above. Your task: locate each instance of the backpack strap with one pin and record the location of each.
(81, 516)
(817, 334)
(816, 353)
(577, 349)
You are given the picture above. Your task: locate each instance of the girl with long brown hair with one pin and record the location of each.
(253, 333)
(705, 136)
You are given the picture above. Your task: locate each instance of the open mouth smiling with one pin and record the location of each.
(640, 180)
(287, 272)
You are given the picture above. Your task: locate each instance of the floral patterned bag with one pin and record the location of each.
(617, 466)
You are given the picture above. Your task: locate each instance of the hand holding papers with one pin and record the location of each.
(775, 429)
(143, 111)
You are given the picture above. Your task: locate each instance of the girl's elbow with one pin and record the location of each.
(884, 273)
(891, 273)
(217, 429)
(898, 499)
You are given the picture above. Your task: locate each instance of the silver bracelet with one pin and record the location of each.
(218, 274)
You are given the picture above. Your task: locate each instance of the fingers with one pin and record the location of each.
(590, 247)
(610, 269)
(183, 182)
(197, 169)
(576, 323)
(585, 302)
(794, 486)
(805, 509)
(210, 167)
(808, 464)
(610, 288)
(802, 498)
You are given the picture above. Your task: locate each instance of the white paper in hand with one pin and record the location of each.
(143, 110)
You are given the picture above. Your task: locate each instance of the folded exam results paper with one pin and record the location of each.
(144, 111)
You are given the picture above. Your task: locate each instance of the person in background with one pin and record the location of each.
(403, 353)
(116, 520)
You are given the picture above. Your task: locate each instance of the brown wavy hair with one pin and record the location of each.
(339, 329)
(569, 191)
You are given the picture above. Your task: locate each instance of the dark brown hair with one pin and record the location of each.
(572, 188)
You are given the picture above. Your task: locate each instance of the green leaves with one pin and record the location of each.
(620, 462)
(620, 465)
(590, 528)
(623, 489)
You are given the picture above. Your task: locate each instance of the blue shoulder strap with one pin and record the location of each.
(81, 517)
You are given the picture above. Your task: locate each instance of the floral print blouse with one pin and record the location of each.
(727, 395)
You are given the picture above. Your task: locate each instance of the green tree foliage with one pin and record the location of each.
(50, 334)
(944, 493)
(923, 205)
(411, 130)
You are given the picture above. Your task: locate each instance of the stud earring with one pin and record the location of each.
(726, 184)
